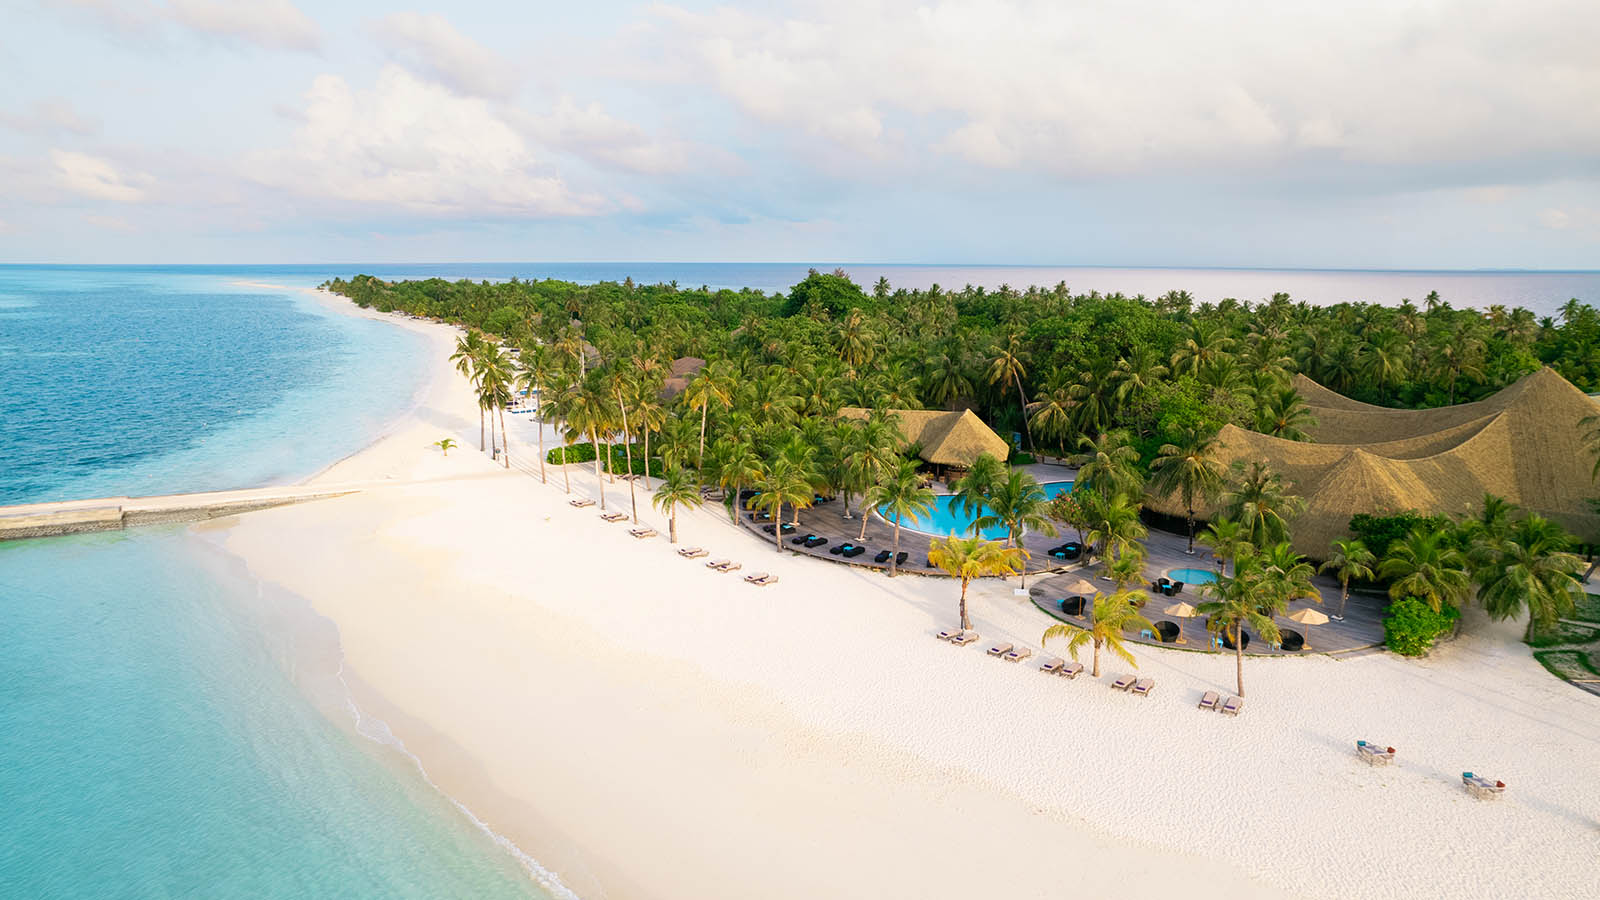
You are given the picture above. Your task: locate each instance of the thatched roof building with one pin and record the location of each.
(945, 438)
(1522, 444)
(683, 369)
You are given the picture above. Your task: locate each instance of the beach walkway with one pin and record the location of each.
(30, 520)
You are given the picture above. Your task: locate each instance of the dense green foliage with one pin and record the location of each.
(1379, 532)
(1411, 626)
(617, 454)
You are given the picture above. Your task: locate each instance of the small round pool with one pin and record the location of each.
(1192, 576)
(947, 517)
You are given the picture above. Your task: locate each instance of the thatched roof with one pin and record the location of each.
(1522, 444)
(683, 369)
(946, 438)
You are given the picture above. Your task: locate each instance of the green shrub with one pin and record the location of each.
(577, 453)
(1412, 626)
(617, 457)
(1379, 532)
(1021, 458)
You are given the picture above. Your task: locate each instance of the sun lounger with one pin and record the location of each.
(1232, 705)
(1072, 669)
(1481, 787)
(816, 542)
(999, 649)
(1051, 664)
(900, 558)
(692, 553)
(948, 633)
(716, 563)
(1144, 686)
(761, 579)
(882, 557)
(854, 551)
(1374, 755)
(1122, 683)
(965, 638)
(1017, 655)
(1210, 701)
(727, 567)
(580, 504)
(645, 532)
(613, 517)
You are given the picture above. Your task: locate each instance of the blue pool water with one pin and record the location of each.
(947, 516)
(170, 727)
(1192, 576)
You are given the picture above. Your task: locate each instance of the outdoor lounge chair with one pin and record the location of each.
(1144, 686)
(614, 517)
(965, 638)
(1051, 664)
(1016, 655)
(644, 532)
(947, 634)
(1000, 649)
(1210, 700)
(815, 542)
(761, 579)
(853, 551)
(1374, 755)
(1481, 787)
(901, 557)
(1072, 669)
(716, 563)
(580, 504)
(727, 567)
(692, 553)
(1122, 683)
(882, 557)
(835, 551)
(802, 539)
(1232, 705)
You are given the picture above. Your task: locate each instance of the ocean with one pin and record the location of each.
(169, 726)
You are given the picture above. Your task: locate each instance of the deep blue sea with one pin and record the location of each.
(168, 726)
(171, 728)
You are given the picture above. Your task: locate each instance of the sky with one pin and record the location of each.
(1358, 134)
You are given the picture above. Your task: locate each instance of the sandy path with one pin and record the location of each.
(647, 728)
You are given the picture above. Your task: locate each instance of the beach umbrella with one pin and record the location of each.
(1308, 616)
(1180, 610)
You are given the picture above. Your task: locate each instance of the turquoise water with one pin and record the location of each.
(168, 726)
(947, 516)
(1192, 576)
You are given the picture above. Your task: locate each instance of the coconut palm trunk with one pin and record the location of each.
(1095, 672)
(481, 441)
(566, 474)
(704, 410)
(627, 449)
(647, 456)
(965, 622)
(542, 479)
(1023, 400)
(893, 560)
(864, 517)
(1344, 596)
(1238, 656)
(594, 441)
(505, 439)
(1189, 518)
(672, 526)
(777, 527)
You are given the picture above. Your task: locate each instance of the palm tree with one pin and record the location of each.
(901, 495)
(445, 445)
(1018, 502)
(554, 400)
(1261, 503)
(678, 488)
(712, 385)
(1051, 410)
(1113, 614)
(1534, 570)
(534, 370)
(967, 558)
(737, 466)
(1189, 468)
(1242, 599)
(589, 414)
(782, 484)
(469, 349)
(1427, 566)
(1226, 538)
(1205, 346)
(494, 390)
(1283, 413)
(617, 384)
(1349, 559)
(973, 488)
(1009, 366)
(1113, 523)
(1109, 464)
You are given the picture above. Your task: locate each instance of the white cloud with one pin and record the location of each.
(596, 135)
(49, 116)
(431, 44)
(1124, 86)
(412, 145)
(110, 223)
(96, 178)
(277, 24)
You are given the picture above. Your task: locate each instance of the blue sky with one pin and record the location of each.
(1361, 134)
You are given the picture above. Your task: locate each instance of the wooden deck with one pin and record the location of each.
(1049, 580)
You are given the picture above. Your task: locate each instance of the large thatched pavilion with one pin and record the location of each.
(954, 439)
(1523, 444)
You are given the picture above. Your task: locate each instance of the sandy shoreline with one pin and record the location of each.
(646, 728)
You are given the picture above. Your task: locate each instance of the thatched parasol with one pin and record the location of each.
(1307, 616)
(1180, 610)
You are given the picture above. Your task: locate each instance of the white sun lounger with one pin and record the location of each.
(1017, 655)
(999, 649)
(1072, 669)
(1051, 664)
(965, 638)
(1232, 705)
(1144, 686)
(692, 553)
(1211, 700)
(645, 532)
(1122, 683)
(761, 579)
(580, 504)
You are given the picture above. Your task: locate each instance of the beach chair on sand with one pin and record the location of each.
(644, 532)
(727, 567)
(1017, 655)
(1232, 705)
(1072, 669)
(1210, 701)
(1374, 755)
(948, 633)
(1144, 687)
(1122, 683)
(580, 504)
(1051, 664)
(613, 517)
(716, 563)
(965, 638)
(692, 552)
(1481, 787)
(761, 579)
(1000, 649)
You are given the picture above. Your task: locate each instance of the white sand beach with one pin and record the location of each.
(645, 727)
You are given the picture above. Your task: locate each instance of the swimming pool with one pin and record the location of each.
(947, 517)
(1193, 576)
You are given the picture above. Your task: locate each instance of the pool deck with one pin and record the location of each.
(1050, 580)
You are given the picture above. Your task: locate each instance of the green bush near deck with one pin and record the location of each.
(584, 453)
(1379, 532)
(1411, 626)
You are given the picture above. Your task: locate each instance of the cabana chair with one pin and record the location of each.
(692, 553)
(1232, 705)
(1177, 588)
(580, 504)
(882, 557)
(1122, 683)
(815, 542)
(1016, 655)
(1000, 649)
(1144, 686)
(644, 532)
(761, 579)
(1210, 700)
(854, 551)
(802, 539)
(1072, 669)
(1051, 665)
(965, 638)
